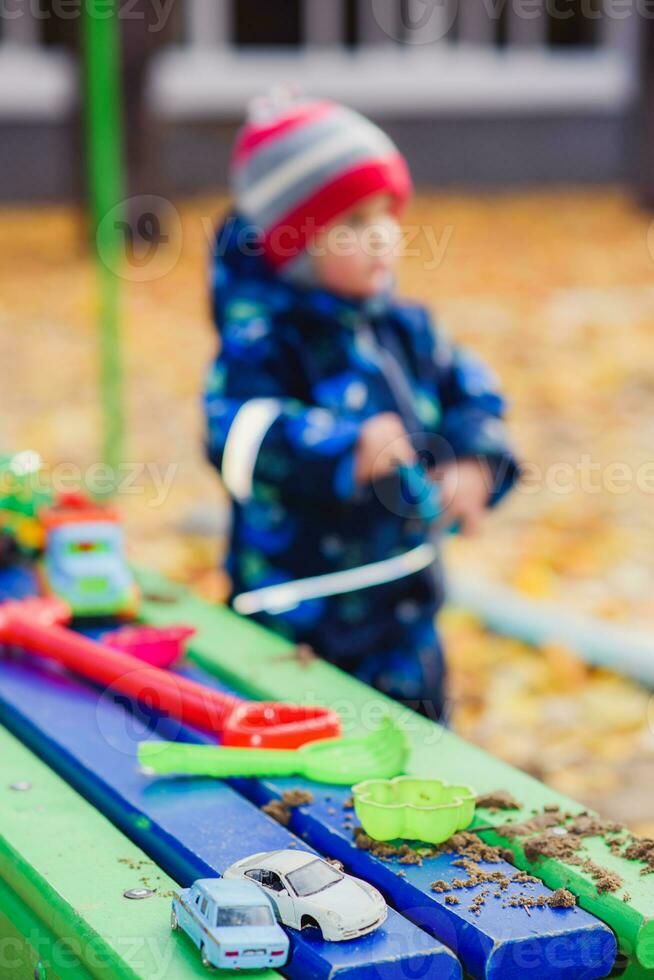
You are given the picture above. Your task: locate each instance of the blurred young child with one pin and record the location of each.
(325, 386)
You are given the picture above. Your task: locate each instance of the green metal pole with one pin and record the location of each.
(104, 137)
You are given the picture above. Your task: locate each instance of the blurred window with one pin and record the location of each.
(265, 24)
(351, 23)
(501, 28)
(570, 25)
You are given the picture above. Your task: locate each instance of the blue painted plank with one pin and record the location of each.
(496, 943)
(192, 828)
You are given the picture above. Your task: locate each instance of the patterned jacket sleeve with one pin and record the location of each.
(264, 443)
(473, 410)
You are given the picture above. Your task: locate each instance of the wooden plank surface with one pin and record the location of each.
(634, 971)
(192, 830)
(260, 664)
(70, 867)
(494, 941)
(28, 949)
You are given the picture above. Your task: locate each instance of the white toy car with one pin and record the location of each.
(307, 892)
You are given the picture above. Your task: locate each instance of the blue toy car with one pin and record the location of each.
(232, 923)
(85, 564)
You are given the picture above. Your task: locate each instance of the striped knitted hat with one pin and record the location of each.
(299, 164)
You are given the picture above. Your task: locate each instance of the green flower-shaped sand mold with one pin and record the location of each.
(414, 809)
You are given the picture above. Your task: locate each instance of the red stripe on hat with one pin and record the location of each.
(256, 133)
(292, 233)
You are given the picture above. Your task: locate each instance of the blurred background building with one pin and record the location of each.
(476, 91)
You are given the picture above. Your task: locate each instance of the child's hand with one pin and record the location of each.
(465, 488)
(383, 446)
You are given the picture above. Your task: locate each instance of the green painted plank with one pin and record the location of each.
(259, 664)
(28, 949)
(71, 867)
(635, 971)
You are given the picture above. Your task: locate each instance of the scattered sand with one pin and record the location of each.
(479, 901)
(561, 835)
(501, 799)
(470, 846)
(279, 812)
(298, 797)
(551, 833)
(642, 850)
(282, 810)
(560, 899)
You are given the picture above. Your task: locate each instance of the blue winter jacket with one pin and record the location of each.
(299, 371)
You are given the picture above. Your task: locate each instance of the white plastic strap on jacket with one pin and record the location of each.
(244, 439)
(288, 595)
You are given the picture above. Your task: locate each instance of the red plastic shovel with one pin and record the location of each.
(36, 625)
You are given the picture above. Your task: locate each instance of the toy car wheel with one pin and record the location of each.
(309, 923)
(206, 962)
(174, 924)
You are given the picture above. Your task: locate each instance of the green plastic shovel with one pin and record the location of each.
(339, 761)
